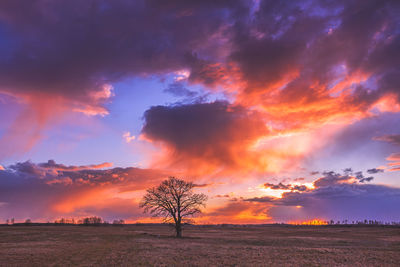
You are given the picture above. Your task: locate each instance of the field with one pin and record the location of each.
(143, 245)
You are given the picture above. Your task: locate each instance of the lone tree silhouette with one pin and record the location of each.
(174, 200)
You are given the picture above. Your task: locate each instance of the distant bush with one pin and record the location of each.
(65, 221)
(92, 220)
(118, 222)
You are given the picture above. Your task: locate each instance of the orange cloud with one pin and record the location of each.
(52, 165)
(128, 137)
(42, 111)
(207, 137)
(27, 129)
(394, 166)
(387, 103)
(394, 157)
(72, 202)
(238, 212)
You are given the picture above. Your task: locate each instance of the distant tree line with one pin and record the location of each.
(8, 221)
(347, 222)
(94, 220)
(362, 222)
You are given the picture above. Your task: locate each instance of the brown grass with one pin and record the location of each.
(143, 245)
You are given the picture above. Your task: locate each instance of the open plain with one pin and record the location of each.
(154, 245)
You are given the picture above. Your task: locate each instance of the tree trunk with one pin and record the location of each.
(178, 228)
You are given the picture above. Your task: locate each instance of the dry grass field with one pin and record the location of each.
(144, 245)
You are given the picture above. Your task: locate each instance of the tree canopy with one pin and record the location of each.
(174, 200)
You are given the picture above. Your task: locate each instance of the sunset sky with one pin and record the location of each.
(279, 111)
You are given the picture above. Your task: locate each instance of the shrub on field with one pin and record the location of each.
(118, 222)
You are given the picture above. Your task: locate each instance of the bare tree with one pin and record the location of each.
(174, 200)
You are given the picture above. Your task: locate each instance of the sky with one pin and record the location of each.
(279, 111)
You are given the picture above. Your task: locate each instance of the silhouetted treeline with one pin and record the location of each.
(363, 222)
(346, 222)
(97, 221)
(65, 221)
(94, 220)
(89, 221)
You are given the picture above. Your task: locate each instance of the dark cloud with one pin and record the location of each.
(202, 185)
(215, 133)
(361, 178)
(348, 170)
(282, 186)
(51, 164)
(374, 171)
(74, 47)
(261, 199)
(299, 188)
(277, 186)
(332, 178)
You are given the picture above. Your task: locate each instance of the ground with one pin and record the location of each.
(143, 245)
